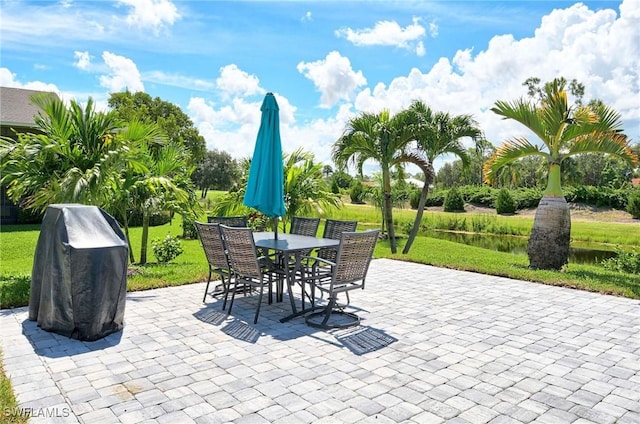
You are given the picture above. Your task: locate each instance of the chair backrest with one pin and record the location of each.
(212, 243)
(333, 228)
(304, 226)
(354, 256)
(229, 221)
(241, 250)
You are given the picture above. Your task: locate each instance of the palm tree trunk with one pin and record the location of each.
(419, 213)
(548, 246)
(388, 208)
(126, 234)
(145, 236)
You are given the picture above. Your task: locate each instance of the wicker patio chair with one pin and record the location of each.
(304, 226)
(347, 273)
(333, 229)
(229, 221)
(247, 267)
(214, 249)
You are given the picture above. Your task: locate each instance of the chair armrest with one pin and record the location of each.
(317, 259)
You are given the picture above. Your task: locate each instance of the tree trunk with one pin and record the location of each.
(125, 225)
(548, 246)
(419, 213)
(388, 208)
(126, 234)
(145, 237)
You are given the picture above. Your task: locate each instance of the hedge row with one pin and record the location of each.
(530, 197)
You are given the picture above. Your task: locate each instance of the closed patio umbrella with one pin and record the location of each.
(265, 185)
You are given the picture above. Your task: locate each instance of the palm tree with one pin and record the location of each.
(305, 189)
(381, 138)
(436, 134)
(306, 192)
(73, 157)
(165, 186)
(564, 131)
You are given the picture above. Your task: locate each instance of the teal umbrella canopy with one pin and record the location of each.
(265, 186)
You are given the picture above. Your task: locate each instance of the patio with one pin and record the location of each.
(435, 345)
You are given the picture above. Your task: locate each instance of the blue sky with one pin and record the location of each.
(325, 60)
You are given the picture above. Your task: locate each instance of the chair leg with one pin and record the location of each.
(206, 289)
(255, 320)
(328, 310)
(227, 289)
(233, 295)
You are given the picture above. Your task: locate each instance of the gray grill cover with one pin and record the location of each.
(79, 277)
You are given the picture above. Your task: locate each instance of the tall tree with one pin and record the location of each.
(382, 138)
(563, 131)
(436, 134)
(177, 126)
(217, 171)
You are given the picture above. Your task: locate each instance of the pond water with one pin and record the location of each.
(588, 254)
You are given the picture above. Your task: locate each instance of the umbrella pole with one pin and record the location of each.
(275, 227)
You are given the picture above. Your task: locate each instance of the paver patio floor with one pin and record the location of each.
(435, 345)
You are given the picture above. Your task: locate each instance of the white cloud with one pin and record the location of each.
(386, 33)
(177, 80)
(83, 60)
(151, 14)
(307, 17)
(595, 47)
(433, 30)
(333, 77)
(235, 82)
(233, 126)
(8, 79)
(123, 74)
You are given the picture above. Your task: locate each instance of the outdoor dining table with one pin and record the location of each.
(292, 246)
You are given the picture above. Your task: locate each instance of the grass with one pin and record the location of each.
(10, 412)
(18, 247)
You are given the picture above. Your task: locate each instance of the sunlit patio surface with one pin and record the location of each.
(434, 345)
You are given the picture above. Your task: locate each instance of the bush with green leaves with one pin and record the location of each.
(453, 202)
(633, 204)
(189, 231)
(357, 192)
(166, 249)
(414, 198)
(505, 202)
(628, 262)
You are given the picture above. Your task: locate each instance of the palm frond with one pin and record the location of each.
(510, 151)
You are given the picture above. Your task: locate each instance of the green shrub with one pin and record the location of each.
(454, 202)
(156, 219)
(414, 199)
(189, 231)
(435, 198)
(527, 198)
(166, 249)
(624, 261)
(505, 202)
(357, 192)
(633, 204)
(479, 195)
(28, 216)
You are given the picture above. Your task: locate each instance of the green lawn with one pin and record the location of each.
(18, 246)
